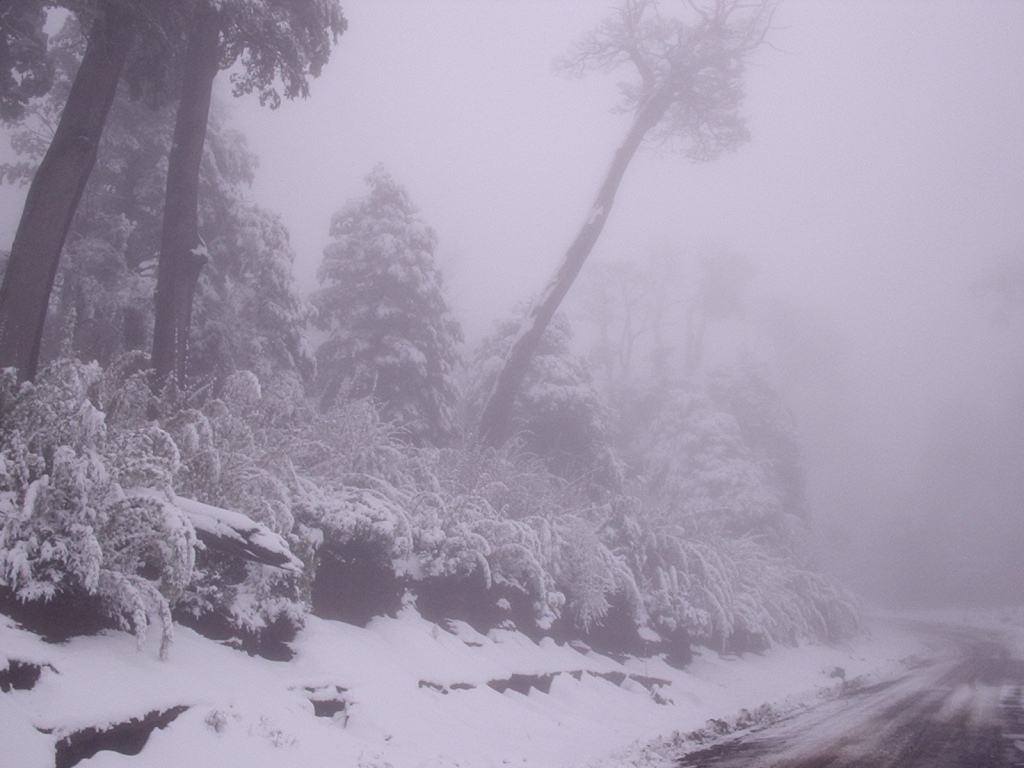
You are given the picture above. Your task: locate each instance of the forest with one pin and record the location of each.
(187, 438)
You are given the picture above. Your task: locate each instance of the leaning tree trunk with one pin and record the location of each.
(182, 254)
(496, 418)
(56, 189)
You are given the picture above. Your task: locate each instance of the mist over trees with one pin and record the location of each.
(688, 95)
(649, 495)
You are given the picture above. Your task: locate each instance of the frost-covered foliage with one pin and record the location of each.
(248, 313)
(446, 513)
(229, 459)
(733, 593)
(559, 414)
(715, 535)
(84, 507)
(392, 335)
(88, 490)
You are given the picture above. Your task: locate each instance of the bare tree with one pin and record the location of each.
(623, 302)
(687, 92)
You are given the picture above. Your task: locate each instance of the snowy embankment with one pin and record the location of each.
(401, 692)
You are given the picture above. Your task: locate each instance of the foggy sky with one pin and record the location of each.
(885, 175)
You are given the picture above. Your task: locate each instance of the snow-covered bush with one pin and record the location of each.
(698, 465)
(734, 594)
(525, 528)
(228, 450)
(768, 429)
(587, 571)
(86, 508)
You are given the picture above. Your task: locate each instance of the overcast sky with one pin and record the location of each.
(885, 174)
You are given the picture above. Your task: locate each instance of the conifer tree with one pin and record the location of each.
(392, 333)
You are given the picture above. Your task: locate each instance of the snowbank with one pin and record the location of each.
(401, 692)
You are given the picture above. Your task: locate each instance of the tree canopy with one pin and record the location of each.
(25, 68)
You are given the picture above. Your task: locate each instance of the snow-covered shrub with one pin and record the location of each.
(735, 594)
(228, 449)
(504, 513)
(84, 507)
(350, 444)
(586, 570)
(768, 429)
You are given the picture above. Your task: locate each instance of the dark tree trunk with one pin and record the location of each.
(496, 418)
(56, 189)
(182, 254)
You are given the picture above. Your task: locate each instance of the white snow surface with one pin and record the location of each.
(399, 677)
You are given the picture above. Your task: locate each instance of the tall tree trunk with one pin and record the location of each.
(56, 189)
(496, 418)
(182, 254)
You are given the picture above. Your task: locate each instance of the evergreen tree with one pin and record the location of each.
(392, 333)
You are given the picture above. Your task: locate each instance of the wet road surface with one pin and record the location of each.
(962, 709)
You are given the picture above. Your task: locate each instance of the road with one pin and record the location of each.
(961, 709)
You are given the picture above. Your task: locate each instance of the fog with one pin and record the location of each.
(884, 180)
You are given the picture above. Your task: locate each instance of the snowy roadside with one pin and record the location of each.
(404, 692)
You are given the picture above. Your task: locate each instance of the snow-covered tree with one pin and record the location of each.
(559, 414)
(686, 94)
(279, 44)
(137, 30)
(25, 70)
(248, 314)
(392, 335)
(768, 430)
(699, 466)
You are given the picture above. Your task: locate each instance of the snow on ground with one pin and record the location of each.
(416, 695)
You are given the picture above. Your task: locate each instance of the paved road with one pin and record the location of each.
(963, 709)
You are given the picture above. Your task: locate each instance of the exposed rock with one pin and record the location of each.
(354, 582)
(128, 738)
(236, 534)
(467, 598)
(20, 675)
(270, 643)
(328, 701)
(523, 683)
(69, 613)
